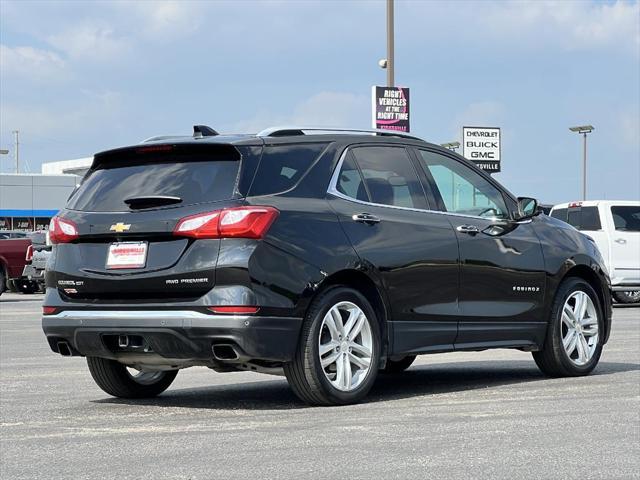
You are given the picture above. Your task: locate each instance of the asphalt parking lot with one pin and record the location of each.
(462, 415)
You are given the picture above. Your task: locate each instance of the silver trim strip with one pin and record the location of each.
(332, 190)
(176, 315)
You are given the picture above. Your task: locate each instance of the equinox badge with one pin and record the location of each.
(120, 227)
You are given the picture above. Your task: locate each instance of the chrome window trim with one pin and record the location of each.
(333, 190)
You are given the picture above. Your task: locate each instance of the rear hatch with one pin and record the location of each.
(125, 213)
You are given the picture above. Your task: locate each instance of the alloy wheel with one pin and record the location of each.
(144, 377)
(345, 346)
(579, 328)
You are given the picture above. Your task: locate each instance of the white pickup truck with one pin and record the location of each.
(615, 227)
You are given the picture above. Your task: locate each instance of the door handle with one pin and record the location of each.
(468, 229)
(621, 241)
(365, 218)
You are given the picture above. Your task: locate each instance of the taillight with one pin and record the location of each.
(240, 222)
(49, 310)
(29, 256)
(62, 230)
(234, 310)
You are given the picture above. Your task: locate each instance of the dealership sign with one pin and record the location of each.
(481, 145)
(390, 108)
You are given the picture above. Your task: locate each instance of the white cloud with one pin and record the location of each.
(87, 114)
(572, 25)
(31, 63)
(89, 41)
(484, 113)
(324, 109)
(629, 128)
(166, 20)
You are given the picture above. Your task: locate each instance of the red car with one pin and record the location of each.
(13, 258)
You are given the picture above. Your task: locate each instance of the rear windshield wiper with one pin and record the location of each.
(150, 201)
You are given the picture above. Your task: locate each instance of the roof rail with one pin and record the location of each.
(297, 130)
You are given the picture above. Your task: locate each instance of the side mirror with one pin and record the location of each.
(527, 208)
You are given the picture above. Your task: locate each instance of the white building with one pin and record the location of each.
(78, 166)
(28, 201)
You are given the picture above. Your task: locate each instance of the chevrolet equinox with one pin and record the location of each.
(324, 255)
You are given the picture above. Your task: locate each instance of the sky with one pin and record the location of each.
(80, 77)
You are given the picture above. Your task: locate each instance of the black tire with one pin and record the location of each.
(627, 297)
(11, 286)
(305, 373)
(3, 280)
(397, 366)
(26, 287)
(114, 378)
(553, 359)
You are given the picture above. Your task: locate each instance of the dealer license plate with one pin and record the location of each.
(127, 255)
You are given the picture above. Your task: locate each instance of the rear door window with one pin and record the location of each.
(626, 218)
(282, 166)
(389, 177)
(350, 181)
(584, 218)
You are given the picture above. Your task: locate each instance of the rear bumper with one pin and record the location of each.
(185, 335)
(31, 272)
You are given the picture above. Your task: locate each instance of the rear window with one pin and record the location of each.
(585, 218)
(627, 218)
(560, 214)
(194, 178)
(282, 166)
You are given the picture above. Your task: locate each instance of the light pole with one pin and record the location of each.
(583, 130)
(390, 46)
(451, 145)
(388, 63)
(17, 149)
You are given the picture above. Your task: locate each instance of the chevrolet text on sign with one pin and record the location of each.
(390, 108)
(481, 145)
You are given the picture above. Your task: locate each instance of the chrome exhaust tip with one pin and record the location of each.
(224, 352)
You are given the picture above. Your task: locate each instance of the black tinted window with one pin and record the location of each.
(282, 166)
(350, 181)
(585, 218)
(627, 218)
(390, 177)
(560, 214)
(194, 178)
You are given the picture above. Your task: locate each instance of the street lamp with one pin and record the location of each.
(583, 130)
(4, 152)
(451, 145)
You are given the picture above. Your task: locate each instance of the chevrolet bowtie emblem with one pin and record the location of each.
(120, 227)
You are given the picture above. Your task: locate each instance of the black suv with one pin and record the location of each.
(326, 255)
